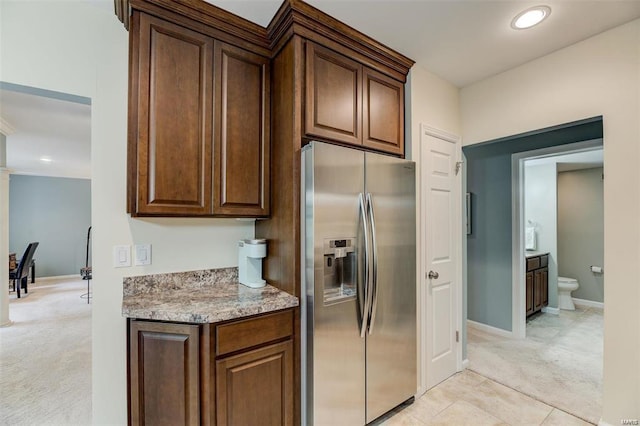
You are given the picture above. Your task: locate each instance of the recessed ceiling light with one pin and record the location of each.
(46, 159)
(530, 17)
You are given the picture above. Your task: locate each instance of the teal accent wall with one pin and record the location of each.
(489, 247)
(54, 211)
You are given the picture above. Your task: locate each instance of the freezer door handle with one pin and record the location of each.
(363, 284)
(373, 304)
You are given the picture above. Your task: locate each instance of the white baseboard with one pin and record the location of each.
(489, 329)
(465, 364)
(588, 303)
(59, 277)
(550, 310)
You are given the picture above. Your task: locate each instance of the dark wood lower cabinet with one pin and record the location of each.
(537, 283)
(247, 380)
(233, 373)
(164, 373)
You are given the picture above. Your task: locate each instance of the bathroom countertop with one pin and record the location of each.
(530, 253)
(205, 296)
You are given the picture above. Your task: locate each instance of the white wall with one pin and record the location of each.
(80, 47)
(599, 76)
(540, 207)
(435, 102)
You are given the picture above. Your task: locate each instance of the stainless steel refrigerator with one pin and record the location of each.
(359, 284)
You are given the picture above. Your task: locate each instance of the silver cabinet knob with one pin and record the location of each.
(433, 275)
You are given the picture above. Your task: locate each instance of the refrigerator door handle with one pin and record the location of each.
(373, 304)
(364, 283)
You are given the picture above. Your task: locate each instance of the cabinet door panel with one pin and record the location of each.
(529, 295)
(333, 96)
(256, 387)
(163, 363)
(175, 73)
(537, 290)
(544, 275)
(242, 148)
(383, 112)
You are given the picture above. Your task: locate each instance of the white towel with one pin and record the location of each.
(530, 238)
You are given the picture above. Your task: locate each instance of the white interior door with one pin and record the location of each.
(441, 228)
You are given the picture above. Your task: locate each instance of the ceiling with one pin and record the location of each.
(462, 41)
(47, 127)
(572, 161)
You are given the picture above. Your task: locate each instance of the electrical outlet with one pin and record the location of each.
(143, 254)
(121, 256)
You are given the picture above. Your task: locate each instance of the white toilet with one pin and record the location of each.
(565, 287)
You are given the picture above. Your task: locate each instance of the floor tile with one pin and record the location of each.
(561, 366)
(402, 419)
(463, 413)
(560, 418)
(508, 405)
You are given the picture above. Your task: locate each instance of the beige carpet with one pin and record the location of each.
(45, 357)
(559, 363)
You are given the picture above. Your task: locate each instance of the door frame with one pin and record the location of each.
(421, 299)
(518, 293)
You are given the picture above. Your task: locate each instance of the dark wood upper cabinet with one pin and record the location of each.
(383, 112)
(199, 136)
(174, 72)
(241, 143)
(351, 103)
(333, 95)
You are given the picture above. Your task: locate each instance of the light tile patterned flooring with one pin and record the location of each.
(468, 398)
(559, 362)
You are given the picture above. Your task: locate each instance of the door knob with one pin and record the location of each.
(433, 275)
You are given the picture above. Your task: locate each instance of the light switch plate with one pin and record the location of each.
(143, 254)
(121, 256)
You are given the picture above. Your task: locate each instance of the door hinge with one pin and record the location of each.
(458, 166)
(457, 336)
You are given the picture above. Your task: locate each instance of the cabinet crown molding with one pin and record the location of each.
(294, 17)
(199, 11)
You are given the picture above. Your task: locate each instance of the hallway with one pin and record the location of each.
(559, 362)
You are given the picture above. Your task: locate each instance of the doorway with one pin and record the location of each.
(496, 264)
(49, 202)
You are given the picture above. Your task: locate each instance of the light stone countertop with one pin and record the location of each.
(206, 296)
(531, 253)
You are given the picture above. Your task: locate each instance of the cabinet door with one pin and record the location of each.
(241, 156)
(164, 373)
(256, 387)
(333, 96)
(172, 141)
(544, 276)
(529, 293)
(537, 290)
(383, 112)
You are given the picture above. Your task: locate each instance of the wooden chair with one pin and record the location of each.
(21, 273)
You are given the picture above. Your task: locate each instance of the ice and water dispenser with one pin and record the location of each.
(340, 267)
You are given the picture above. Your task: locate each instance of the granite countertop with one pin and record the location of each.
(206, 296)
(532, 253)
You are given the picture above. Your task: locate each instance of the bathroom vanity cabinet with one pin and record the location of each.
(537, 282)
(235, 372)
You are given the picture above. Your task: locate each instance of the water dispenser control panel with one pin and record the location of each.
(340, 267)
